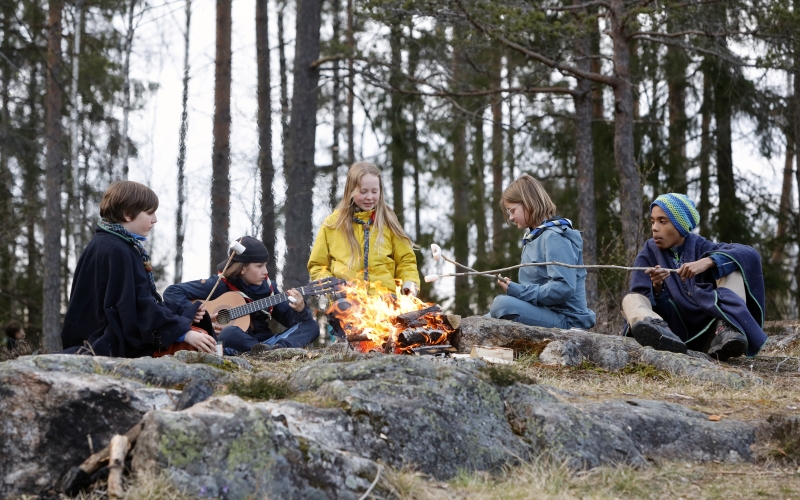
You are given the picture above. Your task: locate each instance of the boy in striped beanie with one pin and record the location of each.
(712, 302)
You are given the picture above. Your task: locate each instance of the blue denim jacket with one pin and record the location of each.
(561, 289)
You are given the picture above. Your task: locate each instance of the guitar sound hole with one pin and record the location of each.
(223, 317)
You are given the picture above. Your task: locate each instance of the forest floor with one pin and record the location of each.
(774, 473)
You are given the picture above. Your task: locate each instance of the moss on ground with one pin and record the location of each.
(260, 388)
(504, 375)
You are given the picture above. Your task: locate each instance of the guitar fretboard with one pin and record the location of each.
(260, 304)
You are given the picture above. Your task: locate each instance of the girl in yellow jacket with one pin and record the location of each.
(362, 238)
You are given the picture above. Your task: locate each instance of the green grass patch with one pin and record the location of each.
(643, 370)
(260, 388)
(505, 376)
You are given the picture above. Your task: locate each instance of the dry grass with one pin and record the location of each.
(552, 481)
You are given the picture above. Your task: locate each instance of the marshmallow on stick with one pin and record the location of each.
(237, 249)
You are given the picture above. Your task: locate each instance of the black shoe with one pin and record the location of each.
(656, 334)
(728, 342)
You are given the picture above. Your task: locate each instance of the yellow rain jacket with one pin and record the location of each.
(394, 260)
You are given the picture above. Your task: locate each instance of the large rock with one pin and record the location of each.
(227, 448)
(611, 352)
(567, 434)
(407, 410)
(669, 431)
(48, 417)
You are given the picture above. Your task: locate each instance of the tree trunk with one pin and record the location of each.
(730, 220)
(677, 63)
(397, 124)
(284, 84)
(300, 168)
(351, 82)
(126, 91)
(180, 230)
(784, 213)
(584, 160)
(333, 192)
(51, 320)
(630, 185)
(31, 287)
(8, 221)
(221, 157)
(705, 154)
(264, 120)
(484, 293)
(498, 219)
(460, 182)
(75, 106)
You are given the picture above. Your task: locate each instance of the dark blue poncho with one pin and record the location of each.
(693, 306)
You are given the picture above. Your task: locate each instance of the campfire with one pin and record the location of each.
(375, 320)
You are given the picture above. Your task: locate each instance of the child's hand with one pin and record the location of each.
(410, 288)
(298, 304)
(201, 341)
(503, 282)
(201, 311)
(657, 276)
(692, 269)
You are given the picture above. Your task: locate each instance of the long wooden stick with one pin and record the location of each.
(118, 449)
(494, 272)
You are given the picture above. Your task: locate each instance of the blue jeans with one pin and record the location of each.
(300, 335)
(514, 309)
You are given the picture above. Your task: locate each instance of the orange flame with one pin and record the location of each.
(373, 311)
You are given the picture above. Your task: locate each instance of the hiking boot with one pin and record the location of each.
(656, 334)
(728, 342)
(262, 348)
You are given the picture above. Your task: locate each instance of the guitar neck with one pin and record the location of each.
(260, 304)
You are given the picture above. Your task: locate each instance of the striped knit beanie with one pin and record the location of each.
(680, 210)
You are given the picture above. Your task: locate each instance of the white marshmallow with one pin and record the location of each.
(431, 278)
(436, 250)
(237, 247)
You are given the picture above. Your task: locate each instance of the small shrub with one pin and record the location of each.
(260, 388)
(23, 348)
(505, 376)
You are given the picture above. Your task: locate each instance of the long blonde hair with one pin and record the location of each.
(384, 216)
(532, 195)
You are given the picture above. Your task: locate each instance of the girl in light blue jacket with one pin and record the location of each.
(548, 296)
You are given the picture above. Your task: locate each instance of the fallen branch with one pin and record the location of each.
(371, 486)
(118, 450)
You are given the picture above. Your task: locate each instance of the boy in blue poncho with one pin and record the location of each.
(114, 308)
(713, 304)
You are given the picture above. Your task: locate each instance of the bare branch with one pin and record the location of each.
(322, 60)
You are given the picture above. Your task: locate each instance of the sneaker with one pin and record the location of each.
(728, 342)
(656, 334)
(262, 348)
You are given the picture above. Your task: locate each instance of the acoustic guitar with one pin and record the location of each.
(233, 310)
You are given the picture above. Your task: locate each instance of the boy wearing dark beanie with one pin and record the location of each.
(714, 303)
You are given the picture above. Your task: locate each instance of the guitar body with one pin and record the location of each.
(225, 302)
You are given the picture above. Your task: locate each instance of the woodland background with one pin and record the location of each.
(608, 102)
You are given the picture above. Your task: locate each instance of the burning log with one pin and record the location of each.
(416, 336)
(410, 317)
(362, 337)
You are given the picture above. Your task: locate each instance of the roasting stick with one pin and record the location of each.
(436, 250)
(237, 248)
(494, 273)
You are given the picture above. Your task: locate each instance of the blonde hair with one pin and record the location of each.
(532, 195)
(384, 216)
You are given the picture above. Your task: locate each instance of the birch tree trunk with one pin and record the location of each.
(179, 217)
(221, 156)
(51, 320)
(300, 168)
